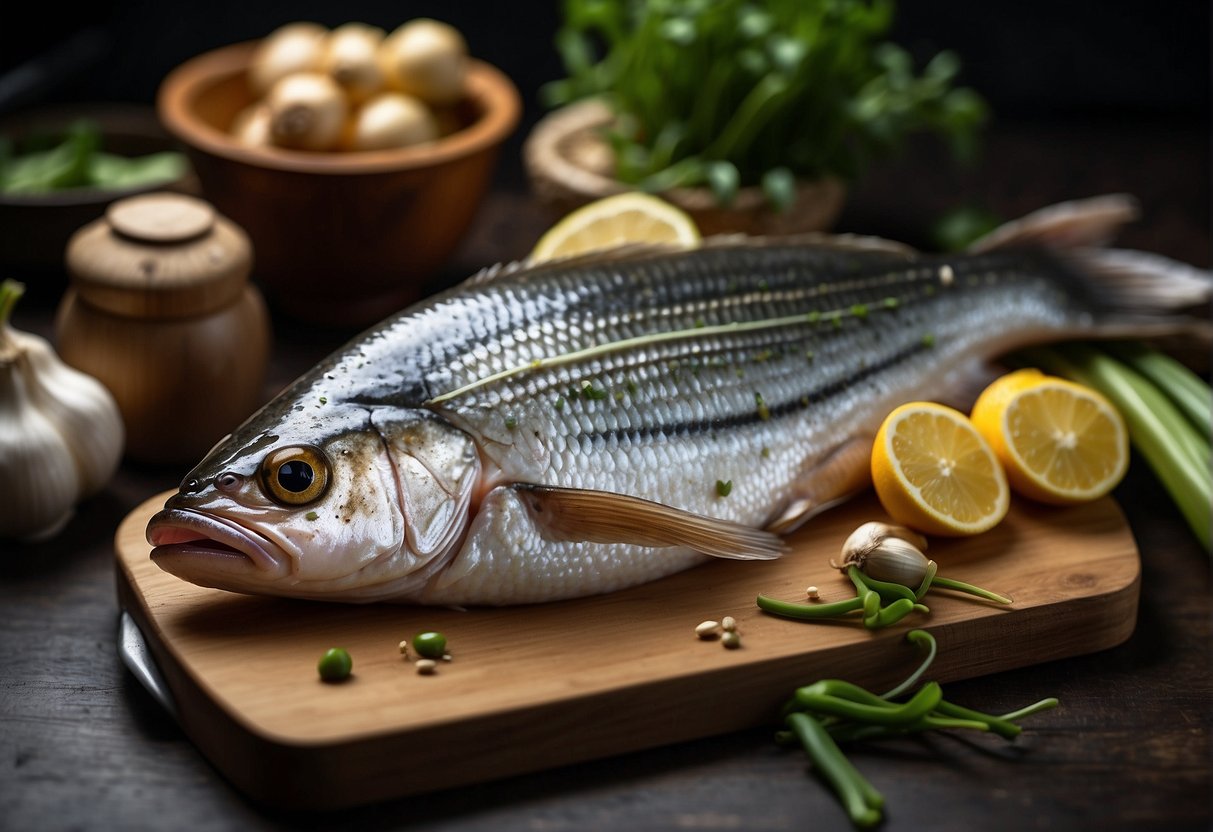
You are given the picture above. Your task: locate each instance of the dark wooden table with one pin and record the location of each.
(82, 746)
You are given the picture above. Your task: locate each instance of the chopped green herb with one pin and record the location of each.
(559, 403)
(631, 385)
(324, 400)
(724, 487)
(573, 394)
(740, 372)
(860, 310)
(311, 515)
(891, 303)
(593, 393)
(764, 412)
(511, 422)
(808, 354)
(700, 323)
(619, 395)
(928, 340)
(804, 401)
(813, 317)
(764, 355)
(766, 453)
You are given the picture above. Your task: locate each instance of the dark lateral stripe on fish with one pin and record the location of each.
(774, 411)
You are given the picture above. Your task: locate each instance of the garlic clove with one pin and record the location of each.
(896, 561)
(886, 553)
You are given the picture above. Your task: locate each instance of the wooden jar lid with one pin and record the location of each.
(160, 255)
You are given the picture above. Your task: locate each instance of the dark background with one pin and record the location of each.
(1123, 61)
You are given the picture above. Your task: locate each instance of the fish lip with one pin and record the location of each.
(238, 541)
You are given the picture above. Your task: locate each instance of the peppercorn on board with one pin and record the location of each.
(538, 686)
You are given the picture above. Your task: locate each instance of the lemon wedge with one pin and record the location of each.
(631, 217)
(935, 473)
(1060, 442)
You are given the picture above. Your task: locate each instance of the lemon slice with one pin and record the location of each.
(1060, 442)
(617, 220)
(935, 473)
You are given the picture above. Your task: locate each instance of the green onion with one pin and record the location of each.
(831, 711)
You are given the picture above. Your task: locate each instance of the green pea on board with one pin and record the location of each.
(430, 645)
(335, 665)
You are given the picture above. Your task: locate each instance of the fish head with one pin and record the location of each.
(355, 507)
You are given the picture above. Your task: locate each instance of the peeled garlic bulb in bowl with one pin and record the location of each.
(391, 120)
(428, 59)
(290, 49)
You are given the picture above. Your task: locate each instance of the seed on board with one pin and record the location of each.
(731, 640)
(729, 624)
(812, 593)
(707, 630)
(404, 648)
(426, 667)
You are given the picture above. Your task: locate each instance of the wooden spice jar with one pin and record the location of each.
(161, 311)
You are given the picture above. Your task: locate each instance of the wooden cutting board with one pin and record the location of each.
(540, 686)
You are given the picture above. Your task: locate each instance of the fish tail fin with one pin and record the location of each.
(1138, 294)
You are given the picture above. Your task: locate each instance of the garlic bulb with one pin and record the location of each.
(886, 553)
(60, 432)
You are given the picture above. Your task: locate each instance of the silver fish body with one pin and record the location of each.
(488, 446)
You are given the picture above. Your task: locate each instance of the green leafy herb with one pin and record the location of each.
(724, 487)
(77, 161)
(732, 93)
(311, 515)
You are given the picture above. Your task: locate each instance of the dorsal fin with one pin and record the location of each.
(1079, 223)
(495, 271)
(629, 252)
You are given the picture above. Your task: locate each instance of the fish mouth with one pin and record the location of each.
(196, 546)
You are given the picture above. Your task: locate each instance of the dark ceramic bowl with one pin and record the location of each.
(35, 228)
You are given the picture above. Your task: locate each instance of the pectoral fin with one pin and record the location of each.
(838, 476)
(607, 517)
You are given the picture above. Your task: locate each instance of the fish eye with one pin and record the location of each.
(296, 475)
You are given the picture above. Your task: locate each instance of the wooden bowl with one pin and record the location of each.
(35, 228)
(569, 164)
(338, 238)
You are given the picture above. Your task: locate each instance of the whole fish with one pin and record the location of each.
(567, 429)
